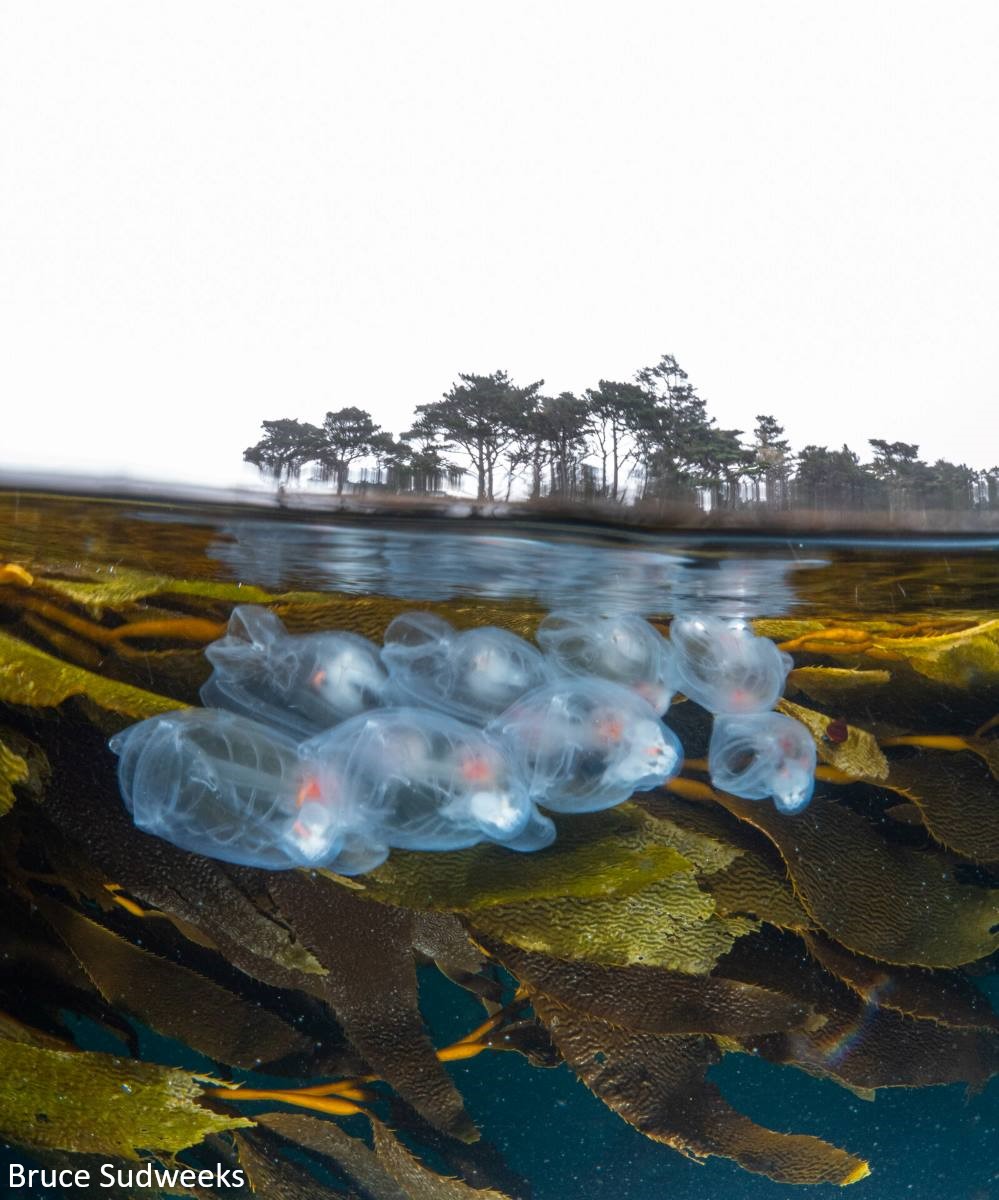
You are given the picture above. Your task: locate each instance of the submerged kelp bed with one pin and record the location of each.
(647, 943)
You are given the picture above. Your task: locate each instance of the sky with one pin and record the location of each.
(212, 214)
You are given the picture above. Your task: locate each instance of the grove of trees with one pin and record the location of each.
(646, 441)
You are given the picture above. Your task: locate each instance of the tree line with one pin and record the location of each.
(646, 441)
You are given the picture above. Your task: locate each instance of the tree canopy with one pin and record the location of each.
(649, 440)
(483, 415)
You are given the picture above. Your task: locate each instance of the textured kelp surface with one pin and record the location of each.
(645, 944)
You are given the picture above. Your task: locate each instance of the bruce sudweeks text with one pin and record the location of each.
(113, 1175)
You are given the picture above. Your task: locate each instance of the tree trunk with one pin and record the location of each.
(480, 466)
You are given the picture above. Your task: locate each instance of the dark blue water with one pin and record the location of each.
(924, 1144)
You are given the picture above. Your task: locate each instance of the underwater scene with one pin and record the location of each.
(399, 855)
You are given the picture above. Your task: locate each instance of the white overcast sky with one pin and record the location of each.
(215, 212)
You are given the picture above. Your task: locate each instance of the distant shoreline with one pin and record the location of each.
(609, 519)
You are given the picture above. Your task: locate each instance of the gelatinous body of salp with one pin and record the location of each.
(413, 632)
(474, 675)
(221, 785)
(725, 667)
(587, 744)
(538, 833)
(762, 755)
(624, 648)
(298, 683)
(417, 780)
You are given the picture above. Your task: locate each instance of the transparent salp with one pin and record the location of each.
(219, 784)
(473, 675)
(298, 683)
(761, 755)
(587, 744)
(725, 667)
(623, 648)
(418, 780)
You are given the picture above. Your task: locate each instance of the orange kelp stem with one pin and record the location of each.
(339, 1098)
(321, 1104)
(16, 575)
(182, 629)
(830, 641)
(475, 1042)
(52, 612)
(991, 723)
(690, 789)
(199, 630)
(68, 645)
(929, 741)
(346, 1089)
(127, 903)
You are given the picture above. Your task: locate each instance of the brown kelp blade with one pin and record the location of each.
(31, 678)
(96, 1103)
(671, 924)
(351, 1154)
(755, 883)
(958, 800)
(371, 985)
(417, 1180)
(657, 1083)
(386, 1171)
(946, 997)
(877, 898)
(173, 999)
(652, 1000)
(862, 1044)
(849, 749)
(270, 1176)
(595, 855)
